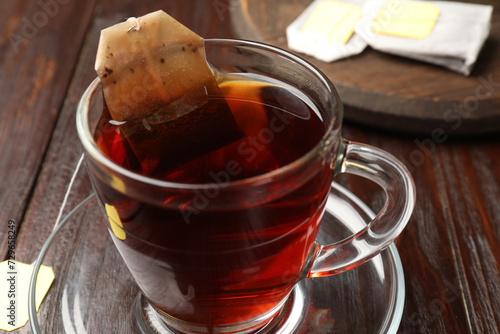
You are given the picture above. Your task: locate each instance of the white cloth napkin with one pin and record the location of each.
(455, 42)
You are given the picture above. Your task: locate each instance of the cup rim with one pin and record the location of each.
(89, 144)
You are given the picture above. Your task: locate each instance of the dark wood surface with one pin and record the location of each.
(450, 249)
(390, 91)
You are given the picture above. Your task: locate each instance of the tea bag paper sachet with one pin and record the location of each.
(156, 86)
(325, 30)
(403, 27)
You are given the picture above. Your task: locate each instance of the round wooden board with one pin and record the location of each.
(388, 91)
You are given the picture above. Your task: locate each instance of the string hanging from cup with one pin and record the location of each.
(68, 191)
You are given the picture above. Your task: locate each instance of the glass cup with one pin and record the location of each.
(224, 256)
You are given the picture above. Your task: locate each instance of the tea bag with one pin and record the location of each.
(159, 89)
(445, 33)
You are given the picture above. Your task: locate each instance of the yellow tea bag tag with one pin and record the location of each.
(413, 19)
(14, 288)
(333, 20)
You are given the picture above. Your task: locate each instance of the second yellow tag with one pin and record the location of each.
(413, 19)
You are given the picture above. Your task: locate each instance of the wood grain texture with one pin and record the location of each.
(450, 249)
(388, 91)
(471, 214)
(37, 58)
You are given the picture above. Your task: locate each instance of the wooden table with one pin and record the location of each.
(450, 249)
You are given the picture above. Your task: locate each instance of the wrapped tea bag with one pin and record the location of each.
(401, 27)
(159, 88)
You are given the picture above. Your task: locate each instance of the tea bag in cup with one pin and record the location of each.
(159, 89)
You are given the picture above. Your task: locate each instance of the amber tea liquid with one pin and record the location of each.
(201, 261)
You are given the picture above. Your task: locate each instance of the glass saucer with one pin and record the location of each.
(93, 291)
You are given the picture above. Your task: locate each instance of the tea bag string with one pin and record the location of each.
(68, 191)
(136, 26)
(66, 196)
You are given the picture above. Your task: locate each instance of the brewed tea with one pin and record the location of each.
(205, 262)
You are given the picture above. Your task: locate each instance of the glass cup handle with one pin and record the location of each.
(384, 169)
